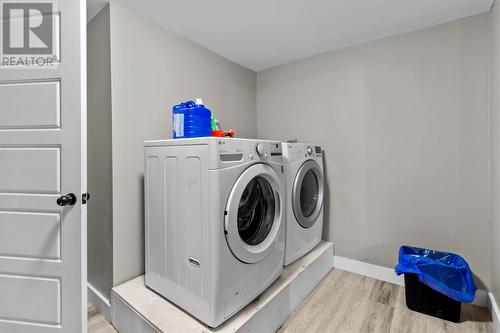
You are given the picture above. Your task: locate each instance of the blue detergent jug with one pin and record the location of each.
(191, 120)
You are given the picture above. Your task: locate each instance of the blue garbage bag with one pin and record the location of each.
(445, 272)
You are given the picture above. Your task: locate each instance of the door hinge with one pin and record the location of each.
(85, 198)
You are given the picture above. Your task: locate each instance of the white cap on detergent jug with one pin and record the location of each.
(198, 101)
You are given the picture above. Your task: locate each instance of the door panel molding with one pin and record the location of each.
(31, 113)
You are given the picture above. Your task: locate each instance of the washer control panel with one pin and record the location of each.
(234, 150)
(299, 152)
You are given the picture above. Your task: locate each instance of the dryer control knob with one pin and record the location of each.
(309, 150)
(260, 149)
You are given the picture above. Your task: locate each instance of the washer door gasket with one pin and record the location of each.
(307, 194)
(254, 213)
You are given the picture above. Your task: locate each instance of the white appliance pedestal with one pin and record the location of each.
(136, 308)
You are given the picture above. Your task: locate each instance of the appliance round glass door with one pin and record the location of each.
(307, 194)
(253, 213)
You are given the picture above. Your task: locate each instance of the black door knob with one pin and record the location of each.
(67, 200)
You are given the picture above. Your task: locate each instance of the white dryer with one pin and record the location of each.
(214, 222)
(304, 198)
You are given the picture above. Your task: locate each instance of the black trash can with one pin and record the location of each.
(424, 299)
(436, 283)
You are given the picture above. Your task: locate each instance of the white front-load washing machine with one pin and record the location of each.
(304, 185)
(214, 219)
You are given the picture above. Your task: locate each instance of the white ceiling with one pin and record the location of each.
(259, 34)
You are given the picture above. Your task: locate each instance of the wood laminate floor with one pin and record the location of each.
(349, 303)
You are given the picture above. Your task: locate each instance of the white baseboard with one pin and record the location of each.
(99, 301)
(388, 275)
(363, 268)
(495, 312)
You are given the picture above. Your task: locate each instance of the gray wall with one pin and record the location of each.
(100, 209)
(151, 71)
(495, 151)
(404, 125)
(403, 121)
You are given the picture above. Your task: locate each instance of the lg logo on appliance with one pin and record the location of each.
(27, 28)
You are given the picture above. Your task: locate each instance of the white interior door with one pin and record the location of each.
(42, 157)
